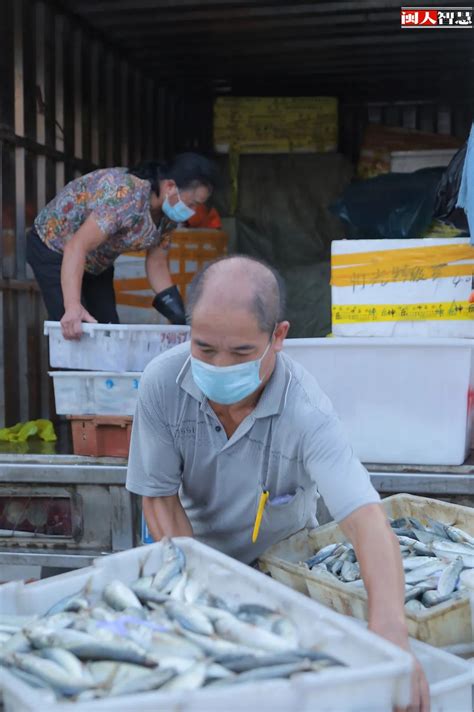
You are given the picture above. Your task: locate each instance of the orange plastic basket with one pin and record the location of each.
(191, 250)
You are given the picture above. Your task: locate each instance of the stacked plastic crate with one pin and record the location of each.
(100, 391)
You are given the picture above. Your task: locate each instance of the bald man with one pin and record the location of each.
(227, 423)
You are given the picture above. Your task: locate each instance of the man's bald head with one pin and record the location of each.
(240, 282)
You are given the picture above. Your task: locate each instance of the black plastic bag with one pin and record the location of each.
(393, 205)
(448, 188)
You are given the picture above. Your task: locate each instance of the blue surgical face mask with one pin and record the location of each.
(179, 212)
(227, 384)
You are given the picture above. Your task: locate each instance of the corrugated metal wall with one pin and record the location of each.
(68, 103)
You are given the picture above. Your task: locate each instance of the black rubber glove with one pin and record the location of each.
(169, 303)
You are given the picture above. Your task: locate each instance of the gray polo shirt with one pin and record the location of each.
(291, 444)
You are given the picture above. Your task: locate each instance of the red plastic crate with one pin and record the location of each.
(101, 435)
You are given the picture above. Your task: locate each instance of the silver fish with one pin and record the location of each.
(451, 550)
(415, 607)
(321, 555)
(51, 673)
(119, 596)
(449, 578)
(267, 673)
(86, 646)
(423, 572)
(459, 535)
(189, 680)
(144, 682)
(250, 635)
(66, 660)
(432, 598)
(174, 562)
(414, 562)
(190, 617)
(219, 648)
(350, 571)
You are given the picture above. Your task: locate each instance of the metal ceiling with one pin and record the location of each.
(265, 47)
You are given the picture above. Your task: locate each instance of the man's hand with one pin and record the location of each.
(420, 691)
(71, 323)
(471, 298)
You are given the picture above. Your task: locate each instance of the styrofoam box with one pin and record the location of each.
(402, 401)
(385, 294)
(408, 161)
(95, 392)
(377, 677)
(112, 347)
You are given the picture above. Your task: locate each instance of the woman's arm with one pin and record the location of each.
(87, 238)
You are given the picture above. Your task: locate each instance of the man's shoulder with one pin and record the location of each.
(305, 397)
(167, 366)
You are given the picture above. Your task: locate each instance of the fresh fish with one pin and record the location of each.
(53, 674)
(177, 592)
(451, 550)
(336, 566)
(432, 598)
(426, 537)
(218, 648)
(149, 594)
(438, 527)
(174, 562)
(321, 555)
(459, 535)
(422, 572)
(450, 577)
(286, 629)
(414, 562)
(415, 592)
(88, 647)
(250, 635)
(350, 571)
(18, 643)
(415, 607)
(189, 680)
(267, 673)
(74, 603)
(27, 677)
(65, 659)
(416, 524)
(119, 596)
(144, 682)
(190, 617)
(254, 609)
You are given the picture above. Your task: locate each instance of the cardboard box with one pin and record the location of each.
(402, 287)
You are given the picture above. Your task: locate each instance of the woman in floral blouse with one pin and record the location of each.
(77, 237)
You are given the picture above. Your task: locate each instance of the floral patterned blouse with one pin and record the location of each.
(119, 203)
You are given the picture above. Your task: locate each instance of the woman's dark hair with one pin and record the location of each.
(188, 170)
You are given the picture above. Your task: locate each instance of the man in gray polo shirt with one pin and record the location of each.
(228, 428)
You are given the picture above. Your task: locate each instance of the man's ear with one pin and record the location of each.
(280, 334)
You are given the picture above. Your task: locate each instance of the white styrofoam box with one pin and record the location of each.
(405, 401)
(377, 678)
(408, 161)
(95, 392)
(112, 347)
(372, 303)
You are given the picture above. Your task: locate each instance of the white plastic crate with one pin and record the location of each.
(405, 401)
(409, 161)
(112, 347)
(95, 392)
(376, 679)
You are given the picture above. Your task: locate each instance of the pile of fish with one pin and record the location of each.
(164, 631)
(433, 558)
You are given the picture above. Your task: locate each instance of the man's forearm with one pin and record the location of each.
(165, 516)
(378, 554)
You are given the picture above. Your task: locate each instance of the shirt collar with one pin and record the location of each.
(272, 400)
